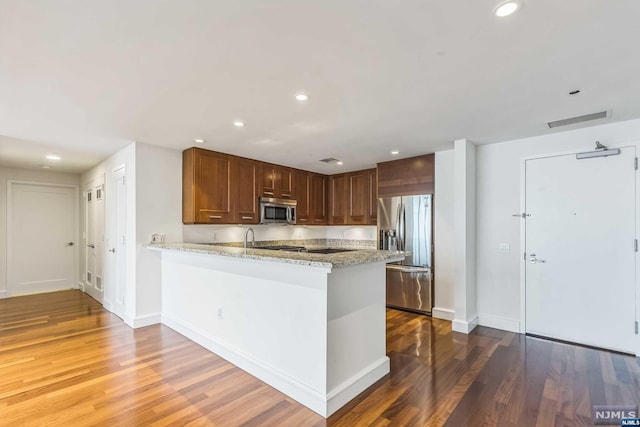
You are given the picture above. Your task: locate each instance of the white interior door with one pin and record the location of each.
(41, 229)
(580, 249)
(117, 242)
(94, 241)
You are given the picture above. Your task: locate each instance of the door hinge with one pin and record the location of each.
(636, 163)
(636, 245)
(524, 256)
(636, 327)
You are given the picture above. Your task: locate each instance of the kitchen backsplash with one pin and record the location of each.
(365, 235)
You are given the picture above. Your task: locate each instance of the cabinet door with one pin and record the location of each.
(318, 208)
(213, 181)
(338, 199)
(285, 183)
(373, 196)
(358, 197)
(302, 185)
(268, 180)
(245, 199)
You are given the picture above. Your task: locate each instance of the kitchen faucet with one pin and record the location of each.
(253, 238)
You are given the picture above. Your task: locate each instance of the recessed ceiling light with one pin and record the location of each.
(302, 96)
(198, 141)
(339, 163)
(507, 8)
(53, 156)
(394, 152)
(45, 166)
(238, 123)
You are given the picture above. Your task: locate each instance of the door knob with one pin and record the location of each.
(534, 260)
(112, 250)
(69, 244)
(91, 246)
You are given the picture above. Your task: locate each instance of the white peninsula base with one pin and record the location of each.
(315, 333)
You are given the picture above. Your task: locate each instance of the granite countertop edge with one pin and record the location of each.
(337, 260)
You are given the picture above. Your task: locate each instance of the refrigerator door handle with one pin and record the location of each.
(408, 268)
(399, 241)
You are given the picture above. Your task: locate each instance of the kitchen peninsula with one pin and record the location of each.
(310, 325)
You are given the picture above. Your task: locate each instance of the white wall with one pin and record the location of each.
(443, 236)
(498, 196)
(42, 176)
(158, 210)
(127, 158)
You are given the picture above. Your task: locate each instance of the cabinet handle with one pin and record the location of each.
(247, 217)
(302, 219)
(268, 193)
(286, 195)
(215, 216)
(319, 220)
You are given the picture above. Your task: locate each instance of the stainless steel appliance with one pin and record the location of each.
(405, 224)
(277, 211)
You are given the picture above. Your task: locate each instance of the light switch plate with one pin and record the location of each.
(504, 248)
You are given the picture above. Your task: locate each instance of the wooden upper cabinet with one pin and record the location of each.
(338, 199)
(319, 199)
(406, 177)
(277, 181)
(358, 197)
(353, 198)
(207, 187)
(302, 184)
(245, 190)
(373, 196)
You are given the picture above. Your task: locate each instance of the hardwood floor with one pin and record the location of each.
(66, 361)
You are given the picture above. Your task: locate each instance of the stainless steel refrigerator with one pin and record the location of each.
(405, 224)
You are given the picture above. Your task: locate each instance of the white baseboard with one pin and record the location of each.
(3, 294)
(146, 320)
(443, 313)
(464, 327)
(107, 305)
(309, 397)
(339, 396)
(497, 322)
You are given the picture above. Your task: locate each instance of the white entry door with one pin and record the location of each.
(41, 231)
(580, 249)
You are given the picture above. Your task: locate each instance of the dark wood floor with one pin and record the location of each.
(64, 361)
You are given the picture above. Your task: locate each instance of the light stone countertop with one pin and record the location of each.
(337, 260)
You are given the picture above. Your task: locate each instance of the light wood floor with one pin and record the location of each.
(65, 361)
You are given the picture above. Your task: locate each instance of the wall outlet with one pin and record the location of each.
(504, 248)
(157, 238)
(220, 312)
(213, 236)
(298, 234)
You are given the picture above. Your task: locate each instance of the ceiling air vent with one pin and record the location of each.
(579, 119)
(329, 160)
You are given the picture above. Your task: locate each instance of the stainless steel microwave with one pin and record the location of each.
(277, 211)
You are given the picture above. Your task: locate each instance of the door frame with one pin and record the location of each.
(76, 227)
(523, 230)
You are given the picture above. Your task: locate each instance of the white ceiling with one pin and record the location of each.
(85, 78)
